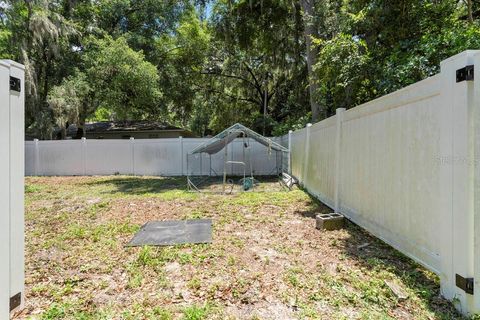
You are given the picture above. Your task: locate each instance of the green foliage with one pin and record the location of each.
(101, 114)
(435, 47)
(256, 62)
(342, 71)
(116, 81)
(69, 99)
(291, 123)
(180, 57)
(37, 35)
(123, 82)
(206, 64)
(5, 36)
(371, 48)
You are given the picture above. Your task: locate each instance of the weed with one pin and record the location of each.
(292, 277)
(238, 242)
(162, 314)
(185, 258)
(75, 231)
(195, 312)
(194, 283)
(231, 261)
(56, 311)
(32, 188)
(135, 277)
(145, 257)
(93, 210)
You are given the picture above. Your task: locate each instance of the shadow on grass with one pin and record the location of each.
(151, 185)
(376, 256)
(313, 207)
(141, 185)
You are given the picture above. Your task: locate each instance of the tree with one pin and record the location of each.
(119, 80)
(311, 52)
(180, 58)
(206, 64)
(256, 61)
(375, 47)
(342, 72)
(36, 34)
(69, 100)
(141, 22)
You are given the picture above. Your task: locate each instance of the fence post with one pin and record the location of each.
(476, 137)
(132, 149)
(12, 173)
(306, 154)
(338, 168)
(475, 105)
(180, 139)
(5, 191)
(84, 155)
(290, 152)
(458, 238)
(36, 159)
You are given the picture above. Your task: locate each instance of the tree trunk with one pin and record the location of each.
(298, 33)
(470, 11)
(309, 31)
(80, 130)
(82, 119)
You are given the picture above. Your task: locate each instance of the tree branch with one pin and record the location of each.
(257, 84)
(228, 95)
(232, 76)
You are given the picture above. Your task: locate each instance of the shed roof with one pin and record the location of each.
(225, 137)
(129, 125)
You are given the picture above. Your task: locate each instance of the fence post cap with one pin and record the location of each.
(132, 138)
(35, 140)
(290, 131)
(340, 110)
(84, 139)
(309, 124)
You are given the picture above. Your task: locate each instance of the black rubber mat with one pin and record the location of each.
(166, 233)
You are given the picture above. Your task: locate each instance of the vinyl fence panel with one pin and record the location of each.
(297, 152)
(158, 157)
(101, 157)
(406, 168)
(166, 157)
(61, 158)
(390, 172)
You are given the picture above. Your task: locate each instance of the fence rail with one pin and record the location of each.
(404, 167)
(139, 157)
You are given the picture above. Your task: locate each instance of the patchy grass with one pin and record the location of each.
(267, 260)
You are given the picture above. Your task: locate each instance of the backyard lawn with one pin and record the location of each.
(266, 261)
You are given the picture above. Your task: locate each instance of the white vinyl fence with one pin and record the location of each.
(405, 167)
(165, 157)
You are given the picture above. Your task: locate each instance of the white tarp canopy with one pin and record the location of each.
(238, 130)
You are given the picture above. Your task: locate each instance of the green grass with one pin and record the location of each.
(195, 312)
(32, 188)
